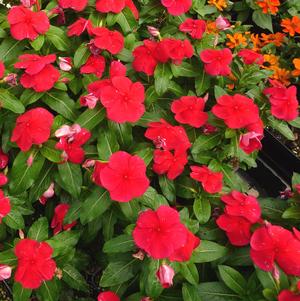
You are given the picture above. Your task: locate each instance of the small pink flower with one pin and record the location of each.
(5, 272)
(89, 101)
(49, 193)
(165, 275)
(153, 31)
(30, 160)
(3, 179)
(88, 163)
(65, 63)
(28, 3)
(222, 23)
(67, 131)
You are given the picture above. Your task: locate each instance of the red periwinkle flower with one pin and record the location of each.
(65, 63)
(237, 229)
(166, 162)
(124, 177)
(110, 40)
(270, 244)
(287, 295)
(97, 172)
(39, 74)
(167, 137)
(195, 28)
(2, 69)
(34, 263)
(108, 296)
(222, 23)
(189, 110)
(71, 145)
(3, 179)
(284, 103)
(4, 205)
(3, 159)
(32, 127)
(116, 6)
(89, 101)
(130, 4)
(251, 57)
(144, 57)
(257, 127)
(237, 111)
(212, 182)
(77, 5)
(57, 223)
(184, 253)
(27, 24)
(160, 232)
(250, 142)
(240, 204)
(95, 65)
(216, 61)
(5, 272)
(78, 27)
(165, 275)
(123, 100)
(177, 7)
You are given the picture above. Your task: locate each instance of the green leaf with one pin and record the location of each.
(71, 177)
(148, 280)
(126, 20)
(90, 118)
(20, 293)
(295, 179)
(292, 213)
(267, 280)
(272, 208)
(202, 82)
(152, 199)
(60, 102)
(189, 272)
(50, 152)
(117, 273)
(208, 251)
(107, 143)
(162, 77)
(202, 209)
(216, 291)
(185, 70)
(38, 43)
(262, 20)
(49, 291)
(120, 244)
(167, 187)
(10, 102)
(130, 209)
(8, 257)
(219, 92)
(58, 38)
(233, 279)
(73, 212)
(95, 205)
(206, 142)
(22, 176)
(295, 123)
(190, 292)
(39, 229)
(123, 132)
(10, 49)
(29, 96)
(185, 187)
(74, 279)
(282, 127)
(81, 55)
(14, 219)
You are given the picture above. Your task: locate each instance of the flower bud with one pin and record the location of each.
(153, 31)
(165, 275)
(63, 131)
(11, 79)
(28, 3)
(65, 63)
(29, 160)
(5, 272)
(89, 101)
(49, 193)
(3, 179)
(3, 160)
(222, 23)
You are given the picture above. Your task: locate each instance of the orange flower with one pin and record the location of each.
(256, 42)
(291, 26)
(237, 39)
(211, 27)
(274, 38)
(296, 63)
(270, 61)
(219, 4)
(282, 75)
(269, 6)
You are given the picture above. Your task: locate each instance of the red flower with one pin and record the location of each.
(160, 232)
(211, 181)
(2, 69)
(237, 229)
(39, 74)
(184, 253)
(165, 275)
(32, 127)
(4, 205)
(3, 159)
(124, 177)
(257, 127)
(166, 162)
(3, 179)
(132, 7)
(251, 57)
(123, 99)
(57, 223)
(167, 137)
(108, 296)
(237, 111)
(26, 24)
(250, 142)
(177, 7)
(109, 40)
(116, 6)
(216, 62)
(71, 145)
(189, 110)
(97, 172)
(77, 5)
(195, 28)
(144, 59)
(243, 205)
(284, 103)
(78, 27)
(94, 65)
(34, 263)
(287, 295)
(274, 243)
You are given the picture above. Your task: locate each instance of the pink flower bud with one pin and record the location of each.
(28, 3)
(276, 273)
(76, 128)
(88, 163)
(139, 255)
(21, 234)
(209, 129)
(3, 179)
(5, 272)
(11, 79)
(63, 131)
(165, 275)
(222, 23)
(89, 101)
(3, 160)
(30, 160)
(49, 193)
(65, 63)
(250, 142)
(153, 31)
